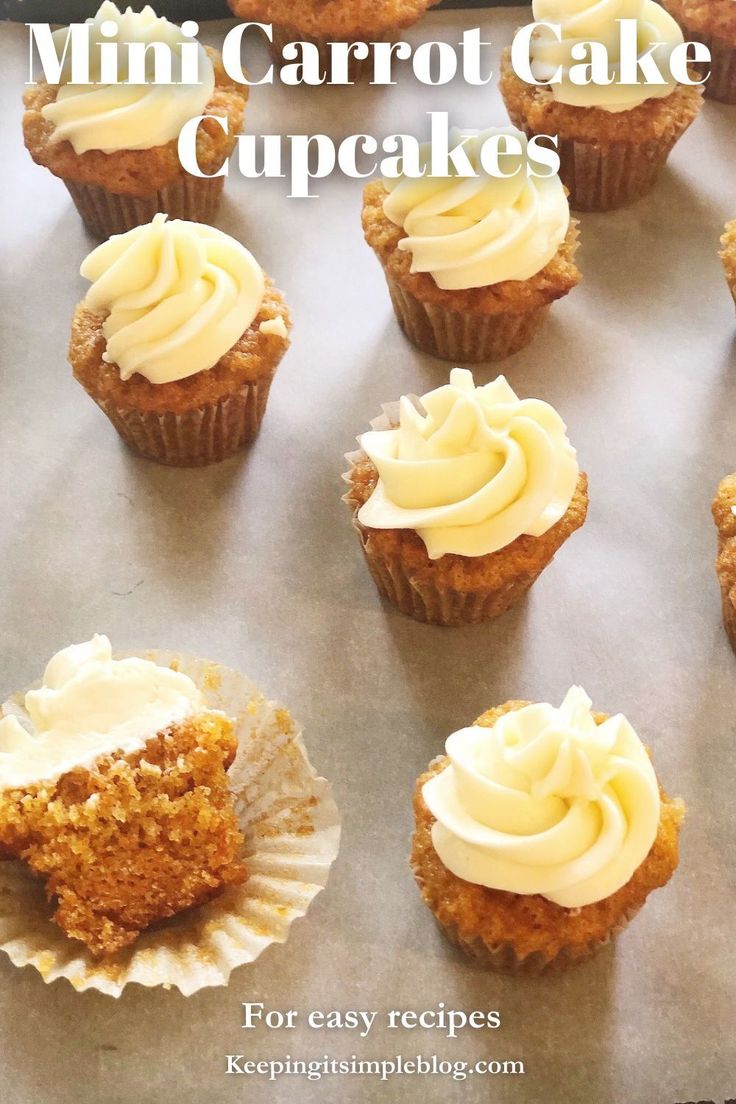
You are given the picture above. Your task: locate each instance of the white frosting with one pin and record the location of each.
(179, 296)
(596, 21)
(477, 231)
(112, 117)
(471, 471)
(90, 705)
(546, 802)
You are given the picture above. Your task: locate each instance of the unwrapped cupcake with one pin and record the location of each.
(613, 139)
(473, 264)
(143, 834)
(541, 833)
(461, 499)
(115, 146)
(724, 516)
(728, 256)
(178, 340)
(320, 22)
(712, 22)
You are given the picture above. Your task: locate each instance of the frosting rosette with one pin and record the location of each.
(111, 117)
(179, 295)
(546, 802)
(470, 232)
(470, 468)
(597, 21)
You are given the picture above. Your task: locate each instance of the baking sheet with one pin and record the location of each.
(255, 564)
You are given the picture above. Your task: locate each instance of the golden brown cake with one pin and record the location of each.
(323, 21)
(116, 188)
(115, 793)
(723, 507)
(712, 22)
(488, 571)
(728, 256)
(181, 399)
(523, 932)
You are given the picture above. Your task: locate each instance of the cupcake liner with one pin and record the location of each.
(729, 616)
(292, 831)
(721, 84)
(431, 600)
(205, 435)
(106, 213)
(282, 34)
(458, 335)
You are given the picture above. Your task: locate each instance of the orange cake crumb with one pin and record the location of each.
(340, 19)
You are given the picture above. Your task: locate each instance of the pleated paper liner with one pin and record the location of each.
(283, 34)
(292, 831)
(205, 435)
(461, 336)
(106, 213)
(436, 601)
(721, 84)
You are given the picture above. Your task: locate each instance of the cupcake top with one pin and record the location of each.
(716, 17)
(470, 468)
(338, 19)
(546, 802)
(112, 117)
(482, 230)
(596, 21)
(90, 705)
(177, 295)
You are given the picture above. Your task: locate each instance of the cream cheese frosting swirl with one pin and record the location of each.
(90, 705)
(179, 295)
(470, 232)
(471, 468)
(111, 117)
(546, 802)
(596, 21)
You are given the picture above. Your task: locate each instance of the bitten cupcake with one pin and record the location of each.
(461, 499)
(473, 264)
(178, 340)
(115, 146)
(728, 256)
(613, 139)
(541, 833)
(724, 515)
(320, 22)
(712, 22)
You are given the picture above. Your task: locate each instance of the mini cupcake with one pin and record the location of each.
(178, 340)
(724, 515)
(728, 255)
(613, 139)
(541, 833)
(323, 21)
(473, 264)
(115, 146)
(461, 499)
(712, 22)
(151, 803)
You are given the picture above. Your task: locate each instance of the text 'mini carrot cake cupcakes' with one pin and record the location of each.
(712, 22)
(323, 21)
(473, 264)
(115, 145)
(116, 794)
(178, 340)
(613, 139)
(728, 255)
(541, 833)
(724, 515)
(462, 498)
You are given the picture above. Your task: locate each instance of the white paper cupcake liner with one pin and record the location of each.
(291, 827)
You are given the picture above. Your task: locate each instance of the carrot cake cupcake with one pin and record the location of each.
(724, 515)
(461, 499)
(473, 264)
(115, 146)
(321, 22)
(178, 340)
(541, 833)
(613, 139)
(118, 797)
(728, 255)
(712, 22)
